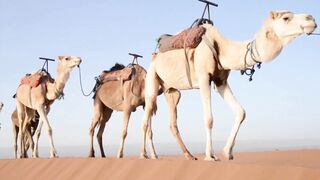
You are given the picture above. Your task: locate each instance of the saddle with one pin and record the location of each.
(189, 38)
(122, 74)
(35, 79)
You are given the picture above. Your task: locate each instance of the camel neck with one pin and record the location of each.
(62, 78)
(238, 55)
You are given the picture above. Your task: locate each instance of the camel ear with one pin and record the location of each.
(271, 35)
(60, 58)
(273, 14)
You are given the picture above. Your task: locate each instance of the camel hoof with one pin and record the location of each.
(143, 156)
(190, 157)
(91, 156)
(212, 158)
(119, 156)
(154, 157)
(227, 155)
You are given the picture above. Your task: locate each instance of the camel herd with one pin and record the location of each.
(203, 67)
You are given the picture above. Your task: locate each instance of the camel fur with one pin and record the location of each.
(173, 72)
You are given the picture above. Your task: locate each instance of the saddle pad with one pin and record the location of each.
(189, 38)
(123, 74)
(33, 80)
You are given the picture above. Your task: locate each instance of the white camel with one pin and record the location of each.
(40, 98)
(210, 61)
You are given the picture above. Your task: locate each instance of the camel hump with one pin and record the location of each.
(35, 79)
(122, 74)
(189, 38)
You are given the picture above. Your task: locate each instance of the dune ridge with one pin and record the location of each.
(293, 165)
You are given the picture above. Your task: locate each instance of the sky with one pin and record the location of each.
(281, 102)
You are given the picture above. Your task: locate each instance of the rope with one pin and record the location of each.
(317, 34)
(81, 86)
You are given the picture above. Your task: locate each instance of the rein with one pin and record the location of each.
(81, 86)
(315, 34)
(252, 49)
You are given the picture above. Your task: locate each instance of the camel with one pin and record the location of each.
(1, 106)
(117, 95)
(211, 61)
(30, 130)
(40, 98)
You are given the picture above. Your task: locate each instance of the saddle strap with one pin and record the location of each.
(213, 50)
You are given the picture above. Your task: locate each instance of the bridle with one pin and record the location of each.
(254, 54)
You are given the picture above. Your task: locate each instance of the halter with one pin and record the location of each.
(254, 54)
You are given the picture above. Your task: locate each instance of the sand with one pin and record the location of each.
(279, 165)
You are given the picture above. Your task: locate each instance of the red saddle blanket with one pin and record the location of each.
(35, 79)
(122, 74)
(189, 38)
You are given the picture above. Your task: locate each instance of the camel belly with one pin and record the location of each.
(174, 70)
(30, 96)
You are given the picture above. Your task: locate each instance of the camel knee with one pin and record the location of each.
(209, 123)
(91, 131)
(99, 135)
(174, 129)
(124, 134)
(50, 131)
(150, 134)
(241, 115)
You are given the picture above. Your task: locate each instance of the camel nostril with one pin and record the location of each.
(309, 18)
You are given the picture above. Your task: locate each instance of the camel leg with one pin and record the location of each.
(227, 95)
(21, 117)
(95, 121)
(126, 117)
(44, 119)
(15, 139)
(104, 119)
(205, 91)
(29, 140)
(173, 97)
(35, 152)
(151, 91)
(151, 145)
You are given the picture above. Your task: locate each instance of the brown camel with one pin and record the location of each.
(211, 61)
(30, 130)
(117, 94)
(40, 98)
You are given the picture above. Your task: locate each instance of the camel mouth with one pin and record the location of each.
(309, 29)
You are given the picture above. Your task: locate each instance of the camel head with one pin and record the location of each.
(286, 25)
(69, 61)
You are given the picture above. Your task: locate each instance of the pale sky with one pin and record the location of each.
(281, 102)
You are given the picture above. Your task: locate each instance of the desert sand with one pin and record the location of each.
(279, 165)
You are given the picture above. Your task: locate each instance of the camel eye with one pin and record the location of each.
(286, 19)
(67, 59)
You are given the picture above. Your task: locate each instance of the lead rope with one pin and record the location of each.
(81, 86)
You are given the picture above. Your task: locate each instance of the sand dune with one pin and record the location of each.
(291, 165)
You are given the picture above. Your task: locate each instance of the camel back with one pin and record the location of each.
(133, 72)
(37, 78)
(122, 74)
(189, 38)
